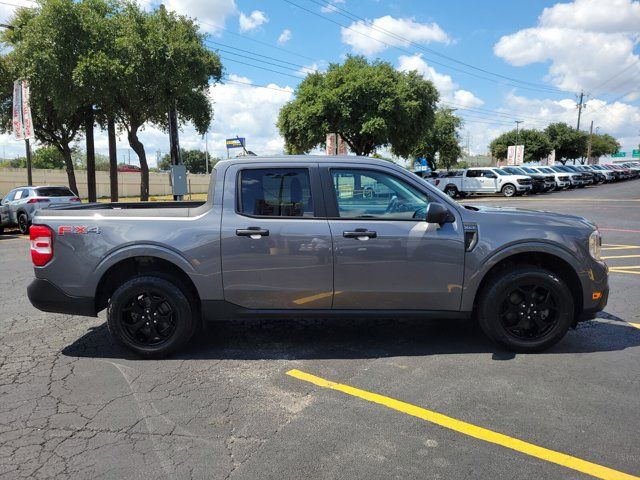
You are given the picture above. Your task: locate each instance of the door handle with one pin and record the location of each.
(253, 232)
(360, 234)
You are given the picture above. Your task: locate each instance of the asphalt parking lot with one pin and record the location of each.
(256, 400)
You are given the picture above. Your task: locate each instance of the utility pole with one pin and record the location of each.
(589, 144)
(518, 122)
(206, 153)
(580, 105)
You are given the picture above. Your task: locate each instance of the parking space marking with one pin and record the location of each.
(623, 270)
(621, 256)
(469, 429)
(625, 230)
(619, 247)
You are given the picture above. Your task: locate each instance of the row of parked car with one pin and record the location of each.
(512, 180)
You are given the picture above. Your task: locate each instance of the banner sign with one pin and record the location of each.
(238, 142)
(22, 121)
(511, 155)
(551, 159)
(519, 154)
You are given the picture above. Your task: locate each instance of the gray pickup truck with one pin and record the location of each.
(306, 236)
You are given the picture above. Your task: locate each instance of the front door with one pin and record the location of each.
(386, 256)
(276, 242)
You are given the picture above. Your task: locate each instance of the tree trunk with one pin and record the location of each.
(91, 157)
(138, 147)
(113, 158)
(71, 174)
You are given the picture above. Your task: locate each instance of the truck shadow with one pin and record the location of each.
(353, 339)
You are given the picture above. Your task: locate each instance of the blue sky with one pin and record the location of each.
(548, 51)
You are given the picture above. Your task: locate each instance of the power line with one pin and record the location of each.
(546, 90)
(261, 68)
(290, 52)
(368, 23)
(255, 54)
(615, 76)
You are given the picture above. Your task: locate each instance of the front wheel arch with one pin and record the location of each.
(549, 261)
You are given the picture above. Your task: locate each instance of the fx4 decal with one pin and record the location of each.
(77, 229)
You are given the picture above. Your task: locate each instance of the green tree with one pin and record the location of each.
(536, 144)
(369, 104)
(603, 144)
(568, 142)
(48, 157)
(194, 161)
(442, 139)
(162, 59)
(47, 43)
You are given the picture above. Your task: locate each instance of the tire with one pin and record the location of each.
(136, 306)
(23, 223)
(506, 320)
(452, 191)
(509, 190)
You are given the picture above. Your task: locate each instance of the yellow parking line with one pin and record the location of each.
(626, 267)
(620, 247)
(620, 270)
(621, 256)
(469, 429)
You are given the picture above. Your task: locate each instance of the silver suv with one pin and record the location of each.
(20, 204)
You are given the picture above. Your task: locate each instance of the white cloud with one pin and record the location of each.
(249, 112)
(371, 38)
(444, 83)
(586, 42)
(330, 8)
(212, 14)
(284, 37)
(252, 21)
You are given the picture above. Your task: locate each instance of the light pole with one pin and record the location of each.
(206, 153)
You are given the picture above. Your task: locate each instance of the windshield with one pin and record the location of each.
(514, 170)
(528, 170)
(500, 171)
(546, 170)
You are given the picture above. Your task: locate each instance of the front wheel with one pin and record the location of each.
(526, 308)
(151, 316)
(23, 223)
(509, 190)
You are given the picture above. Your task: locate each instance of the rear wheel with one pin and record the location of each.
(151, 316)
(509, 190)
(23, 223)
(452, 191)
(526, 308)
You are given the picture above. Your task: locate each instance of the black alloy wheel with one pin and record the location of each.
(148, 319)
(23, 223)
(529, 312)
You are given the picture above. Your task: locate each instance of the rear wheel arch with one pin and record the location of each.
(142, 265)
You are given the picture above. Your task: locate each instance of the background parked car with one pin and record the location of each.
(20, 204)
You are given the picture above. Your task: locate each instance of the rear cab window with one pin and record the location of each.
(275, 192)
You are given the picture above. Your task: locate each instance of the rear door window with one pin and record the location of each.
(276, 192)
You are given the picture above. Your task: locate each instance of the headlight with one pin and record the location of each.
(595, 244)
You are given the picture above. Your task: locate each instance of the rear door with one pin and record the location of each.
(386, 256)
(472, 180)
(276, 242)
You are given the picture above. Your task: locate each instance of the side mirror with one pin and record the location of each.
(438, 213)
(490, 175)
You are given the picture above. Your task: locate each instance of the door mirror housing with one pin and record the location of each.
(490, 175)
(438, 213)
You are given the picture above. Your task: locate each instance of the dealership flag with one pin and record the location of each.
(22, 121)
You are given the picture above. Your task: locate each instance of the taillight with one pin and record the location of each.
(437, 182)
(38, 200)
(41, 238)
(74, 199)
